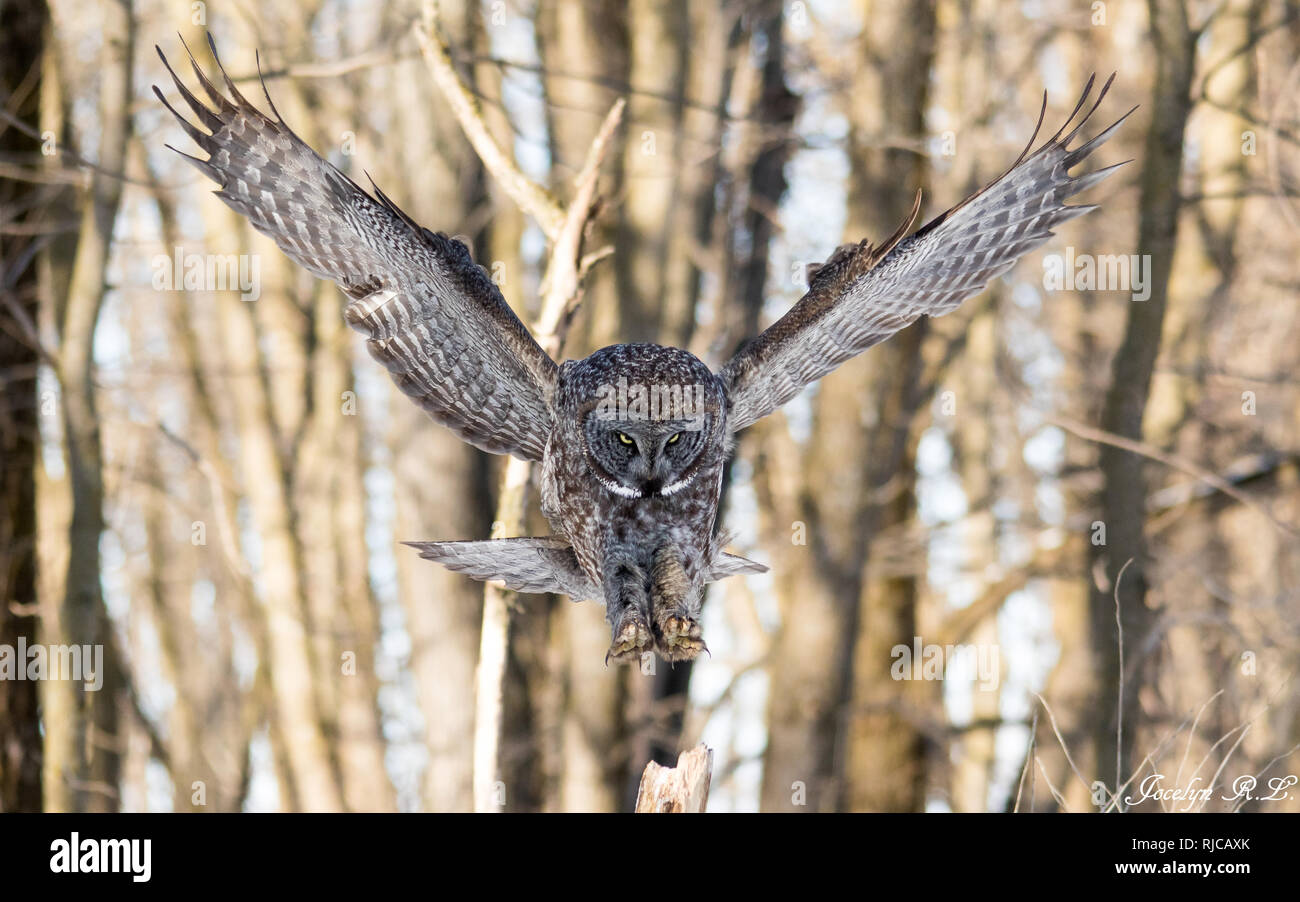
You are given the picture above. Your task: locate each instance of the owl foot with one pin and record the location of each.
(679, 638)
(631, 641)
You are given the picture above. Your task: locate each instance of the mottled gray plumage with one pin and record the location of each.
(433, 318)
(631, 488)
(862, 295)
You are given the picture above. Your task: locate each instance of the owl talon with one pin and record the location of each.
(679, 639)
(633, 640)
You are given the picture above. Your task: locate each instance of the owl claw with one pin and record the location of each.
(631, 641)
(679, 639)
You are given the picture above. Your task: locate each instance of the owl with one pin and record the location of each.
(633, 439)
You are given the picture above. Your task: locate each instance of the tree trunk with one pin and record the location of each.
(1125, 489)
(838, 625)
(84, 745)
(22, 48)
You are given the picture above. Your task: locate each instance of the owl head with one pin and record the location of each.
(651, 418)
(641, 459)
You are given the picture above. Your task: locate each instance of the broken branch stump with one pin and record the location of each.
(677, 790)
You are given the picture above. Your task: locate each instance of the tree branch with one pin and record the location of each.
(531, 197)
(1143, 449)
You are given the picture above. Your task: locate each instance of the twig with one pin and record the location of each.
(1210, 478)
(1178, 777)
(1263, 770)
(28, 328)
(560, 286)
(1024, 770)
(370, 59)
(1064, 748)
(1056, 795)
(1214, 781)
(68, 154)
(1149, 758)
(532, 198)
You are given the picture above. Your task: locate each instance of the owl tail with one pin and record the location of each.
(543, 564)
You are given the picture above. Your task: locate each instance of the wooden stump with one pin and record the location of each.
(677, 790)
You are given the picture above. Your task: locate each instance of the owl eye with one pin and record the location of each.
(674, 437)
(625, 438)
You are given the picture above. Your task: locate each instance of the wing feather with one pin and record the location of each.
(864, 294)
(432, 317)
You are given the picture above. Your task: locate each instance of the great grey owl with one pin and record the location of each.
(633, 439)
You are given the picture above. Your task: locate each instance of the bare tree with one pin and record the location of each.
(82, 755)
(1124, 491)
(22, 54)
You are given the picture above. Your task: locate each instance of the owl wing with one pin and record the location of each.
(432, 317)
(864, 294)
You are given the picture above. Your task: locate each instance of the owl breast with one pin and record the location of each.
(636, 457)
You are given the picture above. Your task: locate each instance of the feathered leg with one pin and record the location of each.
(626, 609)
(674, 608)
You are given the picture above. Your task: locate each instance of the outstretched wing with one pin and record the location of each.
(431, 315)
(864, 294)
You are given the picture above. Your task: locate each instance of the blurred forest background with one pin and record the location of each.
(214, 490)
